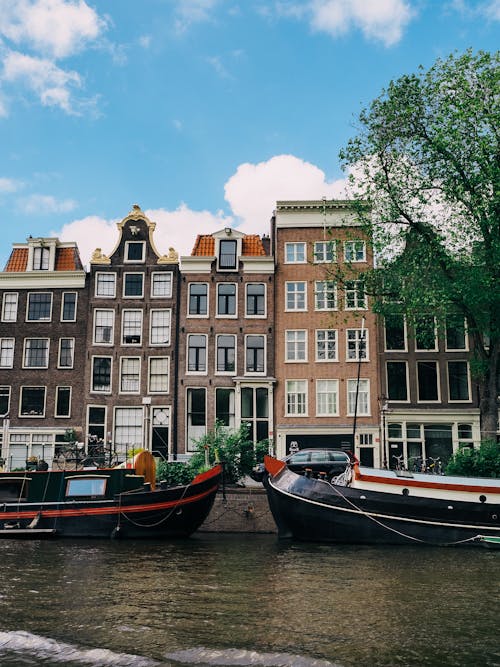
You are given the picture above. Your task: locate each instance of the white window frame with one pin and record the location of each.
(198, 315)
(126, 259)
(112, 327)
(354, 291)
(139, 412)
(105, 392)
(107, 274)
(438, 380)
(294, 247)
(289, 393)
(294, 338)
(323, 290)
(326, 342)
(12, 306)
(125, 312)
(397, 400)
(189, 446)
(25, 351)
(458, 400)
(121, 390)
(196, 372)
(247, 314)
(42, 254)
(62, 306)
(6, 390)
(352, 383)
(427, 349)
(72, 353)
(65, 386)
(405, 334)
(133, 273)
(168, 326)
(234, 244)
(335, 392)
(150, 363)
(295, 293)
(29, 386)
(170, 281)
(216, 370)
(466, 340)
(13, 348)
(350, 248)
(362, 335)
(327, 247)
(256, 373)
(42, 319)
(222, 315)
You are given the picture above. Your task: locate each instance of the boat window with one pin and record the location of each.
(86, 486)
(13, 490)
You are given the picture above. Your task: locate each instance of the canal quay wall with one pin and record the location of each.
(243, 510)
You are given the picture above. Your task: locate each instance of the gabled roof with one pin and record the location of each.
(67, 259)
(18, 260)
(251, 246)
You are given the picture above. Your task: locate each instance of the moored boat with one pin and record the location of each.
(122, 502)
(371, 506)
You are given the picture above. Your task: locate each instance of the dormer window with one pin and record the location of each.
(135, 251)
(227, 255)
(41, 258)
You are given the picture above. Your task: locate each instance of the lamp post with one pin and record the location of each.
(383, 411)
(361, 354)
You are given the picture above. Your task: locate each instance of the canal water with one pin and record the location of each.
(246, 600)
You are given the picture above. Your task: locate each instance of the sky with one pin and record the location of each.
(203, 112)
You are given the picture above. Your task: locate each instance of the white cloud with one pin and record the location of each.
(9, 185)
(492, 9)
(90, 232)
(58, 28)
(43, 204)
(193, 11)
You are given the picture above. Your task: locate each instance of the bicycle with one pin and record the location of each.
(400, 464)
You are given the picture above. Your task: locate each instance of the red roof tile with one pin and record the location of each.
(67, 259)
(18, 260)
(251, 246)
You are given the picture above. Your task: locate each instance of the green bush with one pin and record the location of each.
(482, 462)
(174, 473)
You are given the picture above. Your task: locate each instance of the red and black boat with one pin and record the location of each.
(371, 506)
(122, 502)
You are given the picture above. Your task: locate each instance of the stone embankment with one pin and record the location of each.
(243, 510)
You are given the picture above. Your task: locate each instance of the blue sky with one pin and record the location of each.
(204, 112)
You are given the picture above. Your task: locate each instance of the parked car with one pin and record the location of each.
(331, 461)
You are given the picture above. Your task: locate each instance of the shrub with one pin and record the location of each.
(482, 462)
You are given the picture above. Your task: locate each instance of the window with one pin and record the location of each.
(427, 376)
(39, 306)
(355, 297)
(326, 345)
(81, 487)
(224, 406)
(6, 352)
(325, 295)
(63, 402)
(104, 322)
(395, 334)
(128, 429)
(458, 381)
(101, 374)
(255, 354)
(66, 352)
(68, 307)
(256, 300)
(105, 285)
(227, 255)
(425, 333)
(161, 284)
(36, 353)
(295, 296)
(198, 299)
(197, 353)
(226, 299)
(356, 344)
(9, 307)
(226, 354)
(295, 253)
(296, 345)
(255, 412)
(354, 251)
(97, 422)
(32, 402)
(397, 383)
(160, 327)
(324, 251)
(465, 436)
(296, 397)
(130, 375)
(4, 401)
(41, 257)
(135, 251)
(327, 397)
(196, 415)
(131, 327)
(362, 389)
(158, 375)
(133, 285)
(455, 333)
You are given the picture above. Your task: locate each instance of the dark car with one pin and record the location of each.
(330, 461)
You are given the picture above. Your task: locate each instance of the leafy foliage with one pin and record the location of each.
(482, 462)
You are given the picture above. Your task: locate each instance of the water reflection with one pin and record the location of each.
(251, 598)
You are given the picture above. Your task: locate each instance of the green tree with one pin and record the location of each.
(425, 169)
(482, 462)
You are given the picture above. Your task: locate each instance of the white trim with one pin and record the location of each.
(255, 317)
(221, 315)
(306, 399)
(336, 393)
(295, 293)
(32, 386)
(158, 391)
(120, 376)
(295, 244)
(255, 373)
(205, 336)
(353, 243)
(333, 246)
(134, 261)
(124, 286)
(438, 380)
(162, 273)
(364, 337)
(455, 400)
(72, 353)
(105, 273)
(405, 337)
(62, 306)
(103, 392)
(233, 372)
(63, 386)
(122, 340)
(368, 401)
(202, 316)
(326, 361)
(16, 294)
(13, 350)
(43, 319)
(294, 360)
(398, 400)
(169, 334)
(112, 326)
(25, 340)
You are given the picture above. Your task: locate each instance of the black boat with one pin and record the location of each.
(371, 506)
(122, 502)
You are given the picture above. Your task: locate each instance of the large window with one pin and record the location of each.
(130, 375)
(32, 402)
(227, 255)
(101, 374)
(198, 299)
(327, 398)
(326, 345)
(296, 398)
(39, 306)
(255, 412)
(296, 296)
(161, 284)
(196, 415)
(133, 285)
(295, 253)
(4, 401)
(362, 389)
(41, 257)
(104, 321)
(356, 344)
(128, 429)
(296, 345)
(325, 295)
(105, 285)
(256, 300)
(36, 353)
(427, 377)
(68, 307)
(458, 380)
(9, 307)
(158, 375)
(160, 327)
(197, 353)
(63, 402)
(6, 352)
(324, 251)
(397, 381)
(395, 333)
(355, 251)
(224, 406)
(226, 354)
(226, 299)
(66, 352)
(255, 354)
(131, 327)
(355, 296)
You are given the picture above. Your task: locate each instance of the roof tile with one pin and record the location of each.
(18, 260)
